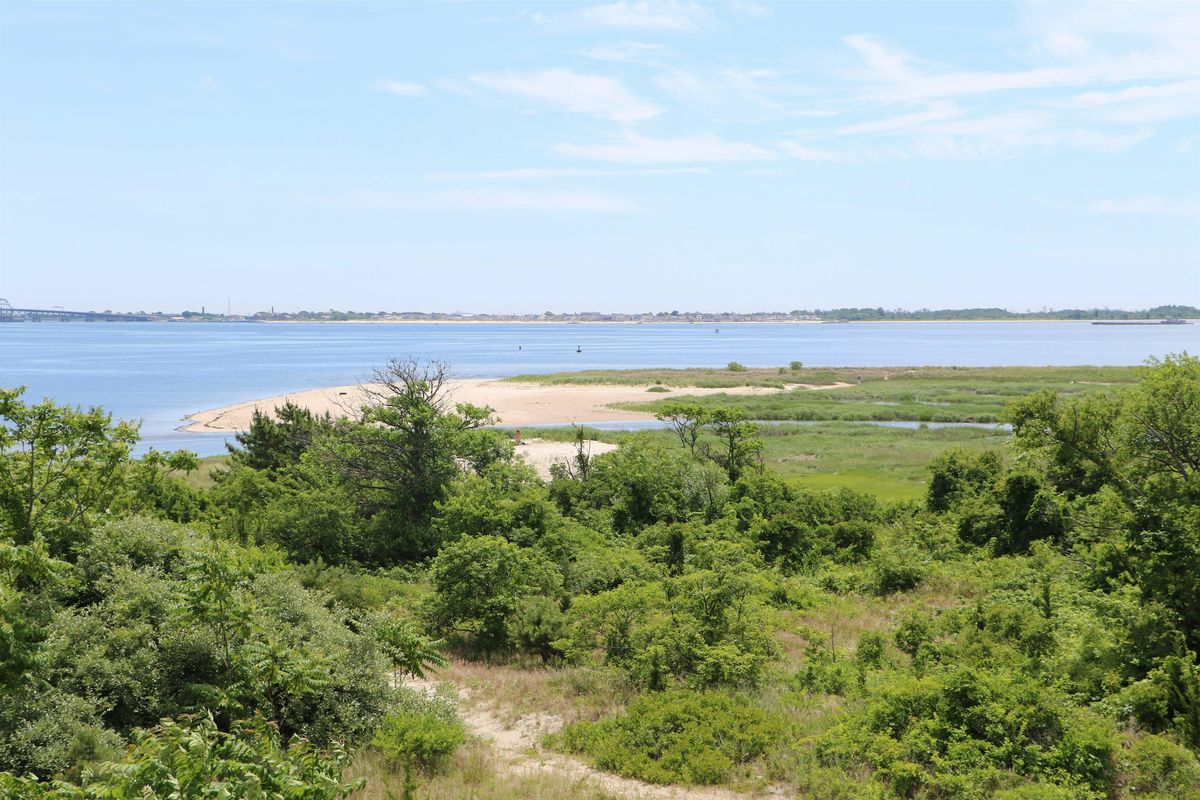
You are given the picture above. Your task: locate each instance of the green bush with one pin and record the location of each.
(734, 366)
(1159, 765)
(481, 582)
(677, 737)
(965, 727)
(191, 757)
(424, 731)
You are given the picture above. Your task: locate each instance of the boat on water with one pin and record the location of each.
(1141, 322)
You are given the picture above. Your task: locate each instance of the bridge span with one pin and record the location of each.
(10, 314)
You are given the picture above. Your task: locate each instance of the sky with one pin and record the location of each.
(622, 156)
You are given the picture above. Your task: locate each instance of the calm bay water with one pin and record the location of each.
(160, 372)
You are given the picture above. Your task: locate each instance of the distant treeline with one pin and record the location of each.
(819, 315)
(866, 314)
(828, 315)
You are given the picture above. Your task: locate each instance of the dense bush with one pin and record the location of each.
(423, 730)
(481, 583)
(961, 726)
(192, 757)
(678, 737)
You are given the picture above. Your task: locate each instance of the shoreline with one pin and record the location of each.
(515, 403)
(674, 322)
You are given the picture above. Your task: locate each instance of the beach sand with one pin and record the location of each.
(540, 454)
(515, 403)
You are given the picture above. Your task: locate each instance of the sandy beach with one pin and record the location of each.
(515, 403)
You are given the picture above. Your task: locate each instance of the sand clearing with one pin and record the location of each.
(540, 455)
(515, 403)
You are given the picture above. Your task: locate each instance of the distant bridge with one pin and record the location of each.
(10, 314)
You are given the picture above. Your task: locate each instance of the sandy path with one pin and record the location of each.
(515, 403)
(518, 751)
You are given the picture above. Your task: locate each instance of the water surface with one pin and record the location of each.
(160, 372)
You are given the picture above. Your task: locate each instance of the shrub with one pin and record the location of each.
(897, 567)
(1160, 765)
(734, 366)
(191, 757)
(423, 731)
(481, 583)
(965, 727)
(677, 737)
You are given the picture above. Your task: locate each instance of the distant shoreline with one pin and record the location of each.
(672, 322)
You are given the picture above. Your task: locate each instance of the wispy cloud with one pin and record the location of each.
(936, 113)
(572, 91)
(749, 9)
(563, 172)
(1149, 205)
(400, 88)
(662, 15)
(635, 149)
(484, 199)
(803, 152)
(648, 54)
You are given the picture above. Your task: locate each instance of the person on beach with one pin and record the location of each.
(517, 437)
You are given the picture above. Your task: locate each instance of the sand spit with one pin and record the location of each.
(515, 403)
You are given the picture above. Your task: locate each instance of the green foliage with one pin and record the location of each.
(276, 441)
(678, 737)
(60, 470)
(936, 732)
(707, 626)
(192, 757)
(398, 461)
(481, 582)
(956, 475)
(409, 649)
(155, 484)
(424, 731)
(799, 530)
(1029, 630)
(159, 622)
(1161, 768)
(637, 486)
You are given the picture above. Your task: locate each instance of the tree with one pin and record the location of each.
(398, 460)
(480, 584)
(152, 486)
(739, 445)
(687, 420)
(60, 469)
(1162, 418)
(276, 441)
(1143, 447)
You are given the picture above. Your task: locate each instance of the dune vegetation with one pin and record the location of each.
(393, 605)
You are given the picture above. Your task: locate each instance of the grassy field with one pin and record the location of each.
(710, 378)
(202, 478)
(890, 463)
(923, 395)
(718, 377)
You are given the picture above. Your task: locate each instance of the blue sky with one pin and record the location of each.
(623, 156)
